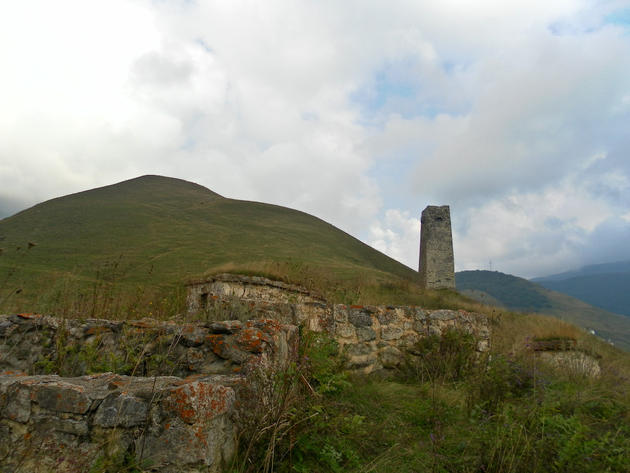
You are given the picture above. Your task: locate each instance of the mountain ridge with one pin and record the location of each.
(525, 296)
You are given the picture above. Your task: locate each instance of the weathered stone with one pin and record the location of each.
(443, 315)
(344, 330)
(18, 403)
(359, 362)
(419, 314)
(572, 362)
(340, 313)
(357, 349)
(227, 326)
(252, 339)
(365, 334)
(359, 317)
(391, 332)
(121, 410)
(66, 426)
(421, 327)
(391, 357)
(188, 429)
(437, 264)
(199, 401)
(193, 335)
(62, 397)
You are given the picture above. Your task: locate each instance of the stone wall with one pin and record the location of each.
(173, 404)
(180, 419)
(371, 337)
(166, 424)
(39, 344)
(376, 337)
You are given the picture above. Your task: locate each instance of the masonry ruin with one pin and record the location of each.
(372, 338)
(436, 266)
(168, 395)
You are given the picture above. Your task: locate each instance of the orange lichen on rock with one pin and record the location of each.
(199, 402)
(217, 343)
(251, 339)
(29, 315)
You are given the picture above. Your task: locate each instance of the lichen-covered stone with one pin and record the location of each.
(365, 334)
(121, 409)
(359, 317)
(176, 425)
(391, 332)
(391, 357)
(61, 396)
(345, 330)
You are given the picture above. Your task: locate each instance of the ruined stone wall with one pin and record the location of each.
(251, 288)
(377, 337)
(165, 424)
(39, 344)
(173, 405)
(371, 337)
(437, 264)
(181, 419)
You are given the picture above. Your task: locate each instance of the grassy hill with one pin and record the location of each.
(521, 295)
(158, 231)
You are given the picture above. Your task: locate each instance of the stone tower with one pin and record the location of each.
(437, 266)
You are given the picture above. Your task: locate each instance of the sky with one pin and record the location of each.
(516, 114)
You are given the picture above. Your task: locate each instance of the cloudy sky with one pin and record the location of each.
(515, 113)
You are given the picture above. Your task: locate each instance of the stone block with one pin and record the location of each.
(340, 313)
(345, 330)
(389, 332)
(443, 315)
(359, 317)
(61, 396)
(391, 357)
(365, 334)
(119, 409)
(17, 406)
(357, 349)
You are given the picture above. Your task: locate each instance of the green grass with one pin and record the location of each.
(507, 412)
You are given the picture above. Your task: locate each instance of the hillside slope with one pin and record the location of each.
(602, 285)
(166, 230)
(519, 294)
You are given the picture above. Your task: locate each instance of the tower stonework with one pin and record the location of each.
(437, 265)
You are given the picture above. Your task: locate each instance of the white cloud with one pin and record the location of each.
(515, 113)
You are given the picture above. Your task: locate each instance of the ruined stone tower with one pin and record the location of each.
(437, 267)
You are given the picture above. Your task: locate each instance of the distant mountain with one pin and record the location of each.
(602, 285)
(519, 294)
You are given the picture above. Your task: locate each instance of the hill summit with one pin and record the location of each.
(165, 230)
